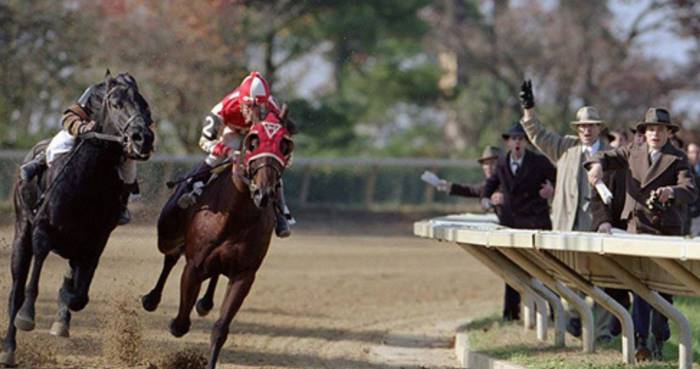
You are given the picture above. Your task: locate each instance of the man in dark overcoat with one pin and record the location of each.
(519, 189)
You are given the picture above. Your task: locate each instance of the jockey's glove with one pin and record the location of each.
(86, 127)
(221, 150)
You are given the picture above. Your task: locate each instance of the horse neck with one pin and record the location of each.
(93, 160)
(242, 199)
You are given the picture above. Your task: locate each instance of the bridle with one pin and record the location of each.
(249, 172)
(121, 138)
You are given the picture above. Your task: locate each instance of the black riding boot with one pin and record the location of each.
(128, 189)
(32, 168)
(196, 185)
(282, 215)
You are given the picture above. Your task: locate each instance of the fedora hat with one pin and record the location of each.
(657, 116)
(587, 115)
(490, 152)
(515, 130)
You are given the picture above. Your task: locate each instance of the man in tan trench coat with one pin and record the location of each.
(572, 195)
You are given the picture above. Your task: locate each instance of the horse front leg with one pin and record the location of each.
(21, 261)
(206, 303)
(190, 284)
(151, 300)
(61, 326)
(41, 245)
(238, 289)
(78, 297)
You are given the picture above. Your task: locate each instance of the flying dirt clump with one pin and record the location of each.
(35, 354)
(123, 338)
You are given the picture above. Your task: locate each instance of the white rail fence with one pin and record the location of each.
(528, 259)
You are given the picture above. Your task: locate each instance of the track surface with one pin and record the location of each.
(331, 296)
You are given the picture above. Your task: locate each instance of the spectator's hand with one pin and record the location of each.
(527, 99)
(546, 190)
(595, 173)
(443, 186)
(497, 199)
(605, 228)
(664, 193)
(221, 150)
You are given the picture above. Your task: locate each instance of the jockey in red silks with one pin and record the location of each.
(225, 126)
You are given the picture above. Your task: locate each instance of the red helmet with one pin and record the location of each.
(254, 90)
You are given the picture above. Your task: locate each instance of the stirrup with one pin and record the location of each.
(282, 229)
(190, 198)
(124, 217)
(283, 220)
(288, 215)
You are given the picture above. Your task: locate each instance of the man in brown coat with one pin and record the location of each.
(658, 181)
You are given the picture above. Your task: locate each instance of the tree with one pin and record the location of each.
(41, 45)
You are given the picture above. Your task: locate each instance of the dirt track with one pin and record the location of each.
(348, 298)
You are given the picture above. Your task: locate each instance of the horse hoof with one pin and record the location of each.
(203, 307)
(150, 302)
(24, 323)
(78, 303)
(59, 329)
(178, 331)
(7, 359)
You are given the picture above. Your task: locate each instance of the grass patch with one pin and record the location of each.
(509, 341)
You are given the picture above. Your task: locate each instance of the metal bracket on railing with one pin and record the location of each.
(600, 297)
(560, 315)
(517, 281)
(685, 348)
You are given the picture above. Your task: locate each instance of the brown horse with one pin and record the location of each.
(228, 232)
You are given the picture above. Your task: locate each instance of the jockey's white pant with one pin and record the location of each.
(231, 139)
(63, 142)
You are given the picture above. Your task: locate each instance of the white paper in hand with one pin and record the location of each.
(604, 192)
(430, 178)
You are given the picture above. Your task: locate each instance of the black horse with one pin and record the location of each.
(79, 208)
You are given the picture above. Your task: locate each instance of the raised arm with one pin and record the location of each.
(552, 144)
(549, 143)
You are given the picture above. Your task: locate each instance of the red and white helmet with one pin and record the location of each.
(254, 90)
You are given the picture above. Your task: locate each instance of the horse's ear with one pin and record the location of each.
(108, 74)
(288, 123)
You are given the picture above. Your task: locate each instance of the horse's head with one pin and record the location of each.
(125, 113)
(266, 152)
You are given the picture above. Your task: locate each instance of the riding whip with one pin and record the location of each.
(173, 183)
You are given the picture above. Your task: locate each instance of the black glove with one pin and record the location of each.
(527, 100)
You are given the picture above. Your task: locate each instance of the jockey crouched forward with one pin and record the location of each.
(223, 132)
(77, 120)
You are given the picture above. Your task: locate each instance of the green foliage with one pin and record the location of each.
(388, 59)
(326, 129)
(42, 49)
